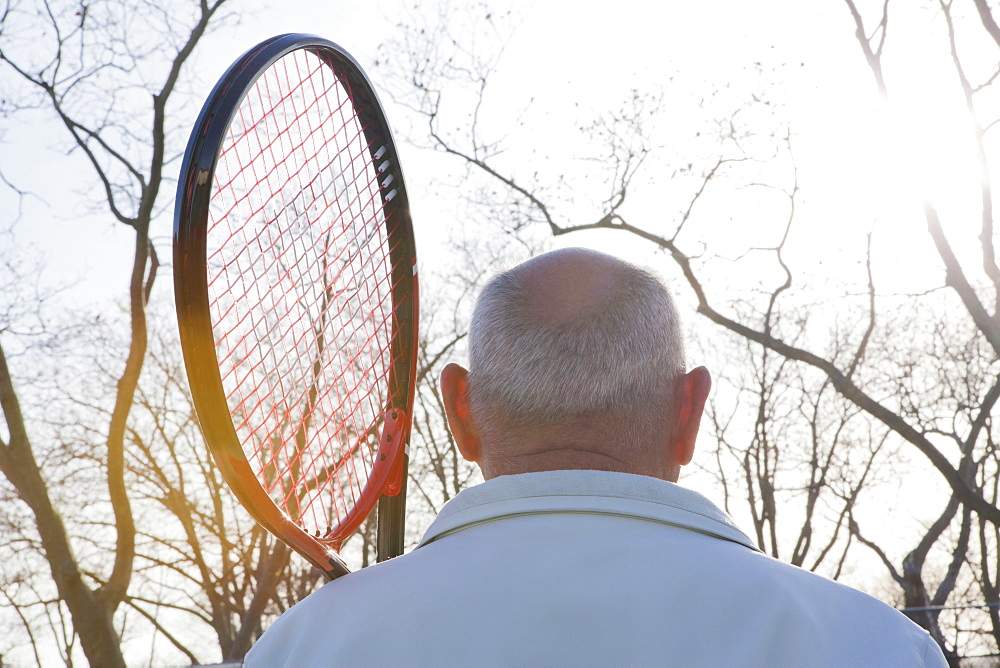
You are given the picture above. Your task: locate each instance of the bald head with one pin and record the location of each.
(575, 362)
(568, 284)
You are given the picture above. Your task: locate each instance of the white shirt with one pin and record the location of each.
(574, 568)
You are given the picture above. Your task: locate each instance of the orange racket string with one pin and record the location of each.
(300, 290)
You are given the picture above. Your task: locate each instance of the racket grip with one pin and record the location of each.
(392, 518)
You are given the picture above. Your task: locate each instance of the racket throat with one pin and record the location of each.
(392, 449)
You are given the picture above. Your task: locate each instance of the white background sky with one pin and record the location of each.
(590, 52)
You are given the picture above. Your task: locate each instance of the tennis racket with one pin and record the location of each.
(295, 278)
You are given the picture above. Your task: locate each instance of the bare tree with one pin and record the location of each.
(789, 450)
(194, 537)
(92, 68)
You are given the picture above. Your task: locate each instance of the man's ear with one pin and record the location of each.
(692, 395)
(455, 393)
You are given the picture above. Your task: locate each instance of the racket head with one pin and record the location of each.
(296, 290)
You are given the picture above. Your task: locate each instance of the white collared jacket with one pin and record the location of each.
(589, 568)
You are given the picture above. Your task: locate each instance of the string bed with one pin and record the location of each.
(299, 287)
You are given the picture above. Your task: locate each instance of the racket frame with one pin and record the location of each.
(387, 481)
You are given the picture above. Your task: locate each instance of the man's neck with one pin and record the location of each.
(568, 457)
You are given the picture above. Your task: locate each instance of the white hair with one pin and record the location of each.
(618, 362)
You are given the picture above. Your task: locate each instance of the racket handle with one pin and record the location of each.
(391, 515)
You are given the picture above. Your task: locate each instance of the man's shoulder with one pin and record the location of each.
(330, 619)
(821, 608)
(347, 596)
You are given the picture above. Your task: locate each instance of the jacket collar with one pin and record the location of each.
(585, 492)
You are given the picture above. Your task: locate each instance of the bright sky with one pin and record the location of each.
(591, 56)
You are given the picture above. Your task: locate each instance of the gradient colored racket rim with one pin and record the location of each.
(194, 192)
